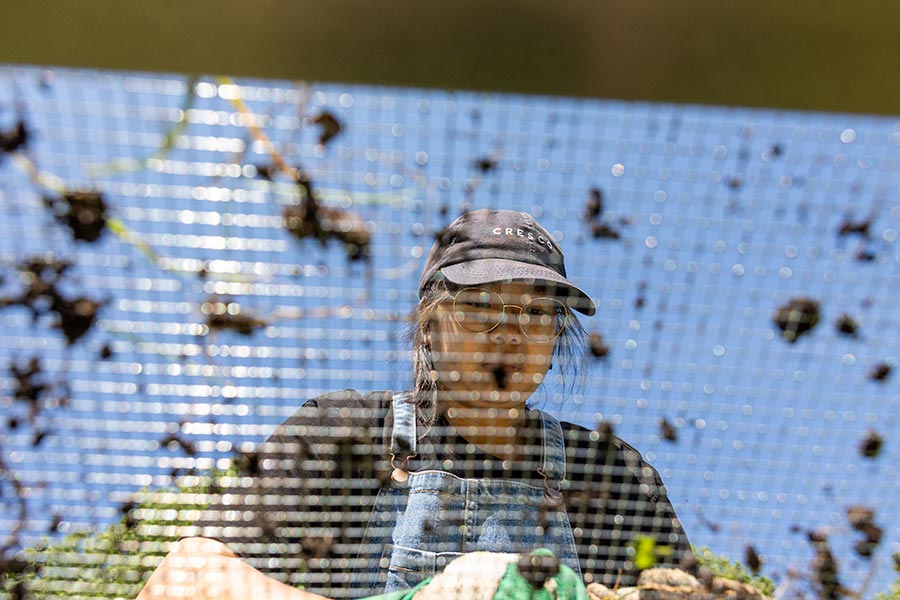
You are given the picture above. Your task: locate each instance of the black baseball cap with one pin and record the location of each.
(488, 246)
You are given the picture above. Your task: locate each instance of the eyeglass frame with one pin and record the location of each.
(561, 326)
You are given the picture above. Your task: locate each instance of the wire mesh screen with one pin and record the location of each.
(185, 262)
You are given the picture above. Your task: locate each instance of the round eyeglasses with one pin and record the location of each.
(479, 310)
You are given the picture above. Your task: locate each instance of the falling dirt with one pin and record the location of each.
(797, 317)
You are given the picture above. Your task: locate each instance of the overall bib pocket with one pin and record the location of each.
(409, 566)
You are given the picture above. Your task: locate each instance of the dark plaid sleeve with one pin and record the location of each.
(299, 506)
(616, 499)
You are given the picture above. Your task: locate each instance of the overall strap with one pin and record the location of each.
(553, 455)
(403, 434)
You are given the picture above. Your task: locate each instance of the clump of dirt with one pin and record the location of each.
(14, 138)
(846, 325)
(41, 275)
(735, 182)
(486, 164)
(76, 317)
(862, 519)
(266, 172)
(83, 211)
(797, 317)
(309, 219)
(880, 372)
(248, 463)
(752, 559)
(230, 315)
(604, 231)
(174, 442)
(860, 229)
(28, 385)
(32, 388)
(850, 227)
(865, 255)
(597, 345)
(329, 126)
(824, 567)
(667, 431)
(598, 226)
(870, 446)
(641, 298)
(593, 207)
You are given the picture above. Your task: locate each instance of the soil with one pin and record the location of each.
(310, 220)
(83, 211)
(329, 126)
(797, 317)
(14, 138)
(228, 315)
(597, 345)
(75, 316)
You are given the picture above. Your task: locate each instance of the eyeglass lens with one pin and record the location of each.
(480, 310)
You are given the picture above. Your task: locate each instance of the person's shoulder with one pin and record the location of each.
(349, 399)
(340, 409)
(626, 455)
(581, 435)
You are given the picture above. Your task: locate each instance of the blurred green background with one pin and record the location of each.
(832, 55)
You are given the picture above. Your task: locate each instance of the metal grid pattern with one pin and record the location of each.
(214, 322)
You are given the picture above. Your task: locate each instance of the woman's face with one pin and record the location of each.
(499, 368)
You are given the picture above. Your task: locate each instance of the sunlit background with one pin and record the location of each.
(158, 313)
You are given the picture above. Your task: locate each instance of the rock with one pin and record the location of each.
(598, 591)
(669, 577)
(675, 584)
(729, 588)
(667, 584)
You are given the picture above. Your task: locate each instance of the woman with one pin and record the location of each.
(356, 495)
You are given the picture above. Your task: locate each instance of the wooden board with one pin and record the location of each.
(828, 55)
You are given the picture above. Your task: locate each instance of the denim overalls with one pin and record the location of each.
(422, 520)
